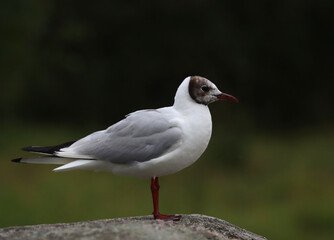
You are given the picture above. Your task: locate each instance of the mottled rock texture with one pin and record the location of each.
(192, 227)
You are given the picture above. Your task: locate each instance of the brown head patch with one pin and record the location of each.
(200, 89)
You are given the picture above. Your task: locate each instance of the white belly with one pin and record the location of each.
(196, 127)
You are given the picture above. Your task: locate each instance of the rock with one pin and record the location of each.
(192, 227)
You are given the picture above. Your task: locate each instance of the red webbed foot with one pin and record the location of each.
(167, 217)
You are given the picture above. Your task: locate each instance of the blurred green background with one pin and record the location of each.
(69, 68)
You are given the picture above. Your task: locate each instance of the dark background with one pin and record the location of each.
(62, 60)
(73, 67)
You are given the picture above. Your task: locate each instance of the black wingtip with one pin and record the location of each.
(48, 149)
(17, 160)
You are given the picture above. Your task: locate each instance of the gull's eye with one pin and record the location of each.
(205, 88)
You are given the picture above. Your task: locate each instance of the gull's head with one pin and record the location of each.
(196, 89)
(203, 91)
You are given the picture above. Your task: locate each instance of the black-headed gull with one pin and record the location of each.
(147, 143)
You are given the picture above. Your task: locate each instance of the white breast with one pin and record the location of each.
(196, 127)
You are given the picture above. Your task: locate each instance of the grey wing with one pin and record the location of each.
(141, 136)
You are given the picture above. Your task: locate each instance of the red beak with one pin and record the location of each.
(227, 97)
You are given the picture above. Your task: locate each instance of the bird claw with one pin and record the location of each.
(167, 217)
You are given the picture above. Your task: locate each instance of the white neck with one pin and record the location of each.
(182, 101)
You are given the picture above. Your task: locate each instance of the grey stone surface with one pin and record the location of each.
(192, 227)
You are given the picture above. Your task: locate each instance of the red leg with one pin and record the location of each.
(155, 195)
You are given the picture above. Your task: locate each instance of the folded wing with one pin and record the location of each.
(141, 136)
